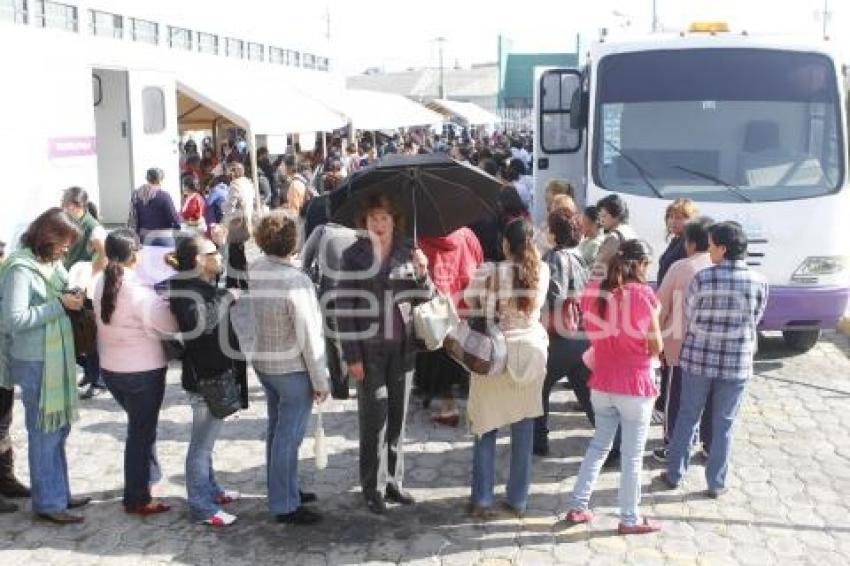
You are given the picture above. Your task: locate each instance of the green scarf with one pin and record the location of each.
(58, 399)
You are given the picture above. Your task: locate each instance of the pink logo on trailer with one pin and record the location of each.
(71, 147)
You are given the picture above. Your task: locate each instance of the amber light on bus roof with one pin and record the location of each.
(708, 27)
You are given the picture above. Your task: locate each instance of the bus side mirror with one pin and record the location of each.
(578, 109)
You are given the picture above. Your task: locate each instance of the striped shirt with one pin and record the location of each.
(723, 308)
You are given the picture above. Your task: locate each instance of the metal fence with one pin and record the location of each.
(517, 118)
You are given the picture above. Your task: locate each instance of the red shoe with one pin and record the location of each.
(152, 508)
(227, 497)
(577, 516)
(640, 529)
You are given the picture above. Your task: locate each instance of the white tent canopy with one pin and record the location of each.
(264, 104)
(469, 112)
(372, 110)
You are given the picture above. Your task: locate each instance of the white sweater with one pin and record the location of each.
(517, 394)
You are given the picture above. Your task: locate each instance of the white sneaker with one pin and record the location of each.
(220, 519)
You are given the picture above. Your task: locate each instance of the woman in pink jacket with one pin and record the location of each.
(131, 319)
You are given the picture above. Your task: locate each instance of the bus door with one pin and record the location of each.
(153, 127)
(560, 144)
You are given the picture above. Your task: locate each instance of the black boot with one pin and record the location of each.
(9, 484)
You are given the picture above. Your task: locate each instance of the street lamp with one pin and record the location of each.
(442, 87)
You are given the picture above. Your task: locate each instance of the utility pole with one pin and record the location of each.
(654, 16)
(327, 22)
(826, 15)
(442, 93)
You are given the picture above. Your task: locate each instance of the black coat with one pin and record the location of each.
(675, 251)
(196, 304)
(404, 294)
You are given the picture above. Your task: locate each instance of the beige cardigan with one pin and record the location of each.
(517, 394)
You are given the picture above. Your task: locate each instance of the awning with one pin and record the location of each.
(468, 112)
(263, 104)
(372, 110)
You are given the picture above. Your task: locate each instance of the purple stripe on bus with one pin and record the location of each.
(805, 307)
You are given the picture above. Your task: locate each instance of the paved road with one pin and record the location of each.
(788, 503)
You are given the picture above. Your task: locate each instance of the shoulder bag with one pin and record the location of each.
(220, 392)
(478, 343)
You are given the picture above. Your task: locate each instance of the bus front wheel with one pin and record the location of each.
(801, 340)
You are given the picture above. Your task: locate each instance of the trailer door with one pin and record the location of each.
(559, 147)
(153, 127)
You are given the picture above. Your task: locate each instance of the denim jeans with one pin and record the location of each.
(140, 395)
(201, 487)
(290, 401)
(726, 396)
(632, 414)
(48, 464)
(484, 466)
(675, 383)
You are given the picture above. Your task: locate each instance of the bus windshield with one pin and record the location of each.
(721, 125)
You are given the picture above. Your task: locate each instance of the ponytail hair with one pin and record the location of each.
(623, 268)
(519, 236)
(120, 246)
(185, 255)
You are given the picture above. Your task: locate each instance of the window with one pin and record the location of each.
(153, 109)
(179, 38)
(256, 52)
(295, 58)
(235, 48)
(322, 63)
(556, 93)
(144, 31)
(105, 24)
(56, 15)
(719, 125)
(309, 61)
(14, 11)
(207, 43)
(277, 55)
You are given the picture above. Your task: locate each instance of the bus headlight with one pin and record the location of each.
(815, 266)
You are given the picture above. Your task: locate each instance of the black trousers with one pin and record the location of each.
(237, 266)
(436, 373)
(382, 407)
(140, 395)
(7, 461)
(564, 360)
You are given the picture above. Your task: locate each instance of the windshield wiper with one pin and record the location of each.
(644, 174)
(734, 189)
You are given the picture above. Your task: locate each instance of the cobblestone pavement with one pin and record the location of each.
(788, 502)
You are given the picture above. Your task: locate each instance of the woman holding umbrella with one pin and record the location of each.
(384, 278)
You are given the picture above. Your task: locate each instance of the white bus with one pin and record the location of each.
(752, 129)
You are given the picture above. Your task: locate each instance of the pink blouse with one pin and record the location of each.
(622, 362)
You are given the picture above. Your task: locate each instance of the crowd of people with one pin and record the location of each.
(571, 298)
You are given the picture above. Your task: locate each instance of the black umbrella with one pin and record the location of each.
(437, 194)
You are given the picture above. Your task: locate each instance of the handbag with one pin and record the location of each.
(478, 344)
(221, 393)
(84, 325)
(433, 320)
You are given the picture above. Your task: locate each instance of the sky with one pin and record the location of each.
(398, 34)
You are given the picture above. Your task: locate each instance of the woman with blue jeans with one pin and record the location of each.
(131, 320)
(38, 345)
(518, 287)
(621, 320)
(202, 311)
(289, 358)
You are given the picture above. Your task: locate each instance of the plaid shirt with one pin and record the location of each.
(723, 308)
